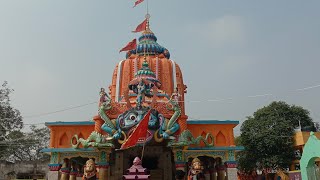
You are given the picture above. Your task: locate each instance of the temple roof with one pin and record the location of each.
(145, 70)
(147, 74)
(148, 45)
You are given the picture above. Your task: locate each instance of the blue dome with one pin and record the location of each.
(148, 45)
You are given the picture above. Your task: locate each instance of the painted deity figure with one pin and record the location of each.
(137, 163)
(103, 97)
(176, 96)
(89, 171)
(141, 88)
(196, 171)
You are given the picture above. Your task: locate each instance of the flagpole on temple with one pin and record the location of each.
(147, 6)
(144, 144)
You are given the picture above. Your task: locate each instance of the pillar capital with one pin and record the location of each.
(180, 165)
(54, 167)
(102, 165)
(74, 172)
(65, 170)
(231, 169)
(231, 164)
(103, 170)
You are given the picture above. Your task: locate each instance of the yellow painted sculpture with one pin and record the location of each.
(89, 170)
(195, 173)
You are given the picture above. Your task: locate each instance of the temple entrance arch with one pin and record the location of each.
(157, 159)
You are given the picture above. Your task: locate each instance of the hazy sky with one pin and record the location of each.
(57, 54)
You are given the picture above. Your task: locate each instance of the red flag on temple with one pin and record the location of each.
(131, 45)
(137, 2)
(141, 27)
(139, 132)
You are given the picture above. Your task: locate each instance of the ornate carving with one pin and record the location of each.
(95, 140)
(214, 154)
(231, 164)
(186, 138)
(231, 155)
(116, 109)
(88, 154)
(54, 159)
(103, 157)
(54, 167)
(179, 155)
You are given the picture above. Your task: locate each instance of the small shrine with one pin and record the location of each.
(136, 171)
(143, 112)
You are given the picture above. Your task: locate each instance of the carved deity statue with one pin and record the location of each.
(176, 96)
(141, 88)
(195, 173)
(89, 171)
(137, 163)
(103, 97)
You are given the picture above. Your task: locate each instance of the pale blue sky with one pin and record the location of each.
(57, 54)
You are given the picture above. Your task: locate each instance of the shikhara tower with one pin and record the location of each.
(144, 113)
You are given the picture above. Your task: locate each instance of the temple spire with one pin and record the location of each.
(148, 25)
(147, 6)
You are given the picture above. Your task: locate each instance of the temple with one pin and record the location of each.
(142, 114)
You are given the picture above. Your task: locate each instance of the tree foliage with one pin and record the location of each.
(16, 145)
(27, 146)
(268, 136)
(10, 118)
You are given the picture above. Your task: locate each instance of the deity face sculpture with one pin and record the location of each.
(90, 166)
(196, 166)
(129, 119)
(133, 116)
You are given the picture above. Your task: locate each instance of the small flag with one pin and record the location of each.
(139, 132)
(131, 45)
(137, 2)
(141, 27)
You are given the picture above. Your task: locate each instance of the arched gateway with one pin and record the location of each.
(144, 115)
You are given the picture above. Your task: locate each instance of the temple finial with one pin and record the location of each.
(148, 22)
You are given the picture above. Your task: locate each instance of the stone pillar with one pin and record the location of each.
(119, 165)
(79, 176)
(74, 172)
(213, 174)
(231, 169)
(179, 163)
(221, 173)
(65, 170)
(73, 175)
(207, 175)
(103, 164)
(53, 173)
(103, 171)
(221, 169)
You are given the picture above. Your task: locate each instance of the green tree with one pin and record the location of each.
(268, 136)
(16, 145)
(26, 146)
(10, 119)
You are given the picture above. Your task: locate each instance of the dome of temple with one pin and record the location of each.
(164, 70)
(149, 61)
(148, 45)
